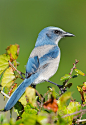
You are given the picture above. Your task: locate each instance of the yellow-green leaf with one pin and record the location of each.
(67, 76)
(79, 72)
(8, 77)
(23, 99)
(30, 92)
(79, 87)
(73, 107)
(4, 62)
(63, 99)
(13, 51)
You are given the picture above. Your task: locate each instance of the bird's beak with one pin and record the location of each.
(68, 34)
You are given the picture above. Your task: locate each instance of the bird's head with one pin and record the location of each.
(51, 35)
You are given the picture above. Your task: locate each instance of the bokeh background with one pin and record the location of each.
(22, 20)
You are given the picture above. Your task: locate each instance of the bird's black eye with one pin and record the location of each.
(57, 32)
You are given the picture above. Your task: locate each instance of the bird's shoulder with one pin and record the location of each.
(40, 51)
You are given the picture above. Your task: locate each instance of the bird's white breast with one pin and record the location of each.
(41, 50)
(51, 69)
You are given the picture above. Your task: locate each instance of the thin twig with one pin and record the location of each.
(46, 94)
(4, 94)
(38, 94)
(19, 72)
(79, 120)
(84, 110)
(74, 66)
(14, 67)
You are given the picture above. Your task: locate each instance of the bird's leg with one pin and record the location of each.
(61, 87)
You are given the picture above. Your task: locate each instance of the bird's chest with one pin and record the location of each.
(54, 64)
(49, 71)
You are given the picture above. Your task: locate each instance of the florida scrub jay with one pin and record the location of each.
(42, 63)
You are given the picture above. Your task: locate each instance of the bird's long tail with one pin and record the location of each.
(19, 91)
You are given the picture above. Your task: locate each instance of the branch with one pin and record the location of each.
(84, 110)
(74, 66)
(79, 120)
(4, 94)
(19, 72)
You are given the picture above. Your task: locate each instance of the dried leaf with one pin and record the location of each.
(80, 89)
(13, 51)
(51, 104)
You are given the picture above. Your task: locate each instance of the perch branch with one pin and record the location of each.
(4, 94)
(19, 72)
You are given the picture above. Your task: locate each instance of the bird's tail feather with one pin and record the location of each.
(19, 91)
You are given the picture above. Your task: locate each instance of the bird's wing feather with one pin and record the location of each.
(35, 62)
(32, 65)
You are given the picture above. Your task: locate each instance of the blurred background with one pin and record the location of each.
(22, 20)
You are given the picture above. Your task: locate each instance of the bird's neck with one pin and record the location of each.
(42, 42)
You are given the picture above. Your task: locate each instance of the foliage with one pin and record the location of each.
(52, 108)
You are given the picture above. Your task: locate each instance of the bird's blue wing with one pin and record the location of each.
(52, 54)
(32, 66)
(35, 62)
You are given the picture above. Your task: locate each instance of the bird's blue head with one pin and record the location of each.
(51, 35)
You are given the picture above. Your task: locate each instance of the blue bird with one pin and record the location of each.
(42, 63)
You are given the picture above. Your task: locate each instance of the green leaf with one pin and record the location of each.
(79, 87)
(53, 92)
(67, 76)
(8, 77)
(1, 78)
(13, 51)
(4, 62)
(61, 121)
(73, 107)
(29, 119)
(29, 109)
(3, 120)
(5, 90)
(74, 76)
(43, 117)
(69, 85)
(18, 108)
(63, 99)
(79, 72)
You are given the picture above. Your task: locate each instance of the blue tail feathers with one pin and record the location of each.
(19, 91)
